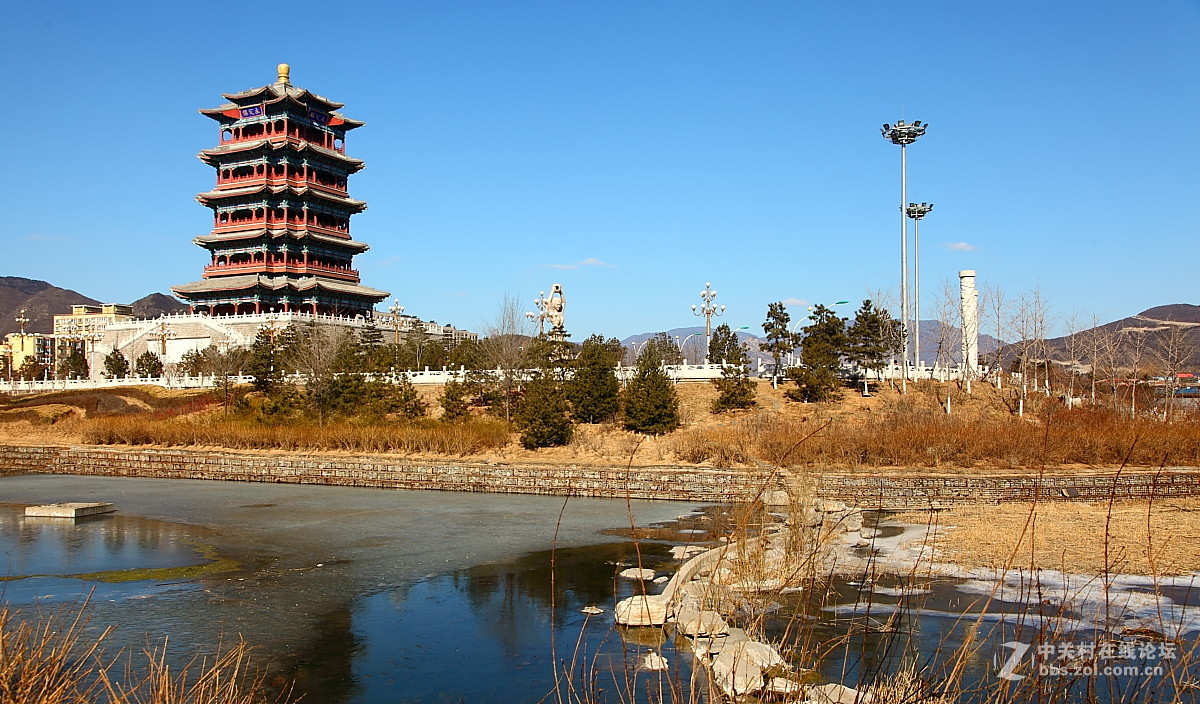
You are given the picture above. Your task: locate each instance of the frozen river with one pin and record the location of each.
(364, 595)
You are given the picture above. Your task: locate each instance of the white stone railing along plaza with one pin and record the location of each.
(677, 373)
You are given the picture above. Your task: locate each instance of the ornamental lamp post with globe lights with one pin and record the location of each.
(904, 134)
(708, 310)
(916, 211)
(396, 309)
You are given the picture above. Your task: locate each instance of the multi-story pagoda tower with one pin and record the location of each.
(281, 213)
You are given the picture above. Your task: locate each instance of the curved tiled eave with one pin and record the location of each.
(214, 156)
(336, 119)
(214, 240)
(245, 282)
(215, 198)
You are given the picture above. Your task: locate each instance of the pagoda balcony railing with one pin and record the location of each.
(295, 180)
(241, 223)
(299, 268)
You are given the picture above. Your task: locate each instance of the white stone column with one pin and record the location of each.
(969, 298)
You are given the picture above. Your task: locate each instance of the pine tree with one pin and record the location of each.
(780, 339)
(735, 390)
(593, 390)
(148, 365)
(820, 357)
(650, 402)
(872, 338)
(375, 358)
(455, 401)
(115, 365)
(263, 362)
(404, 401)
(542, 415)
(724, 347)
(73, 365)
(31, 370)
(662, 349)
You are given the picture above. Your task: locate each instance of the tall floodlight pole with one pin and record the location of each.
(904, 134)
(708, 310)
(916, 211)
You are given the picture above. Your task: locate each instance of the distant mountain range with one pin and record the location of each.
(1154, 329)
(1176, 325)
(41, 301)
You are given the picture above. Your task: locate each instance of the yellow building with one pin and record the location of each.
(18, 347)
(84, 328)
(90, 319)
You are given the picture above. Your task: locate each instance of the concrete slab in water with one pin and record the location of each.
(69, 510)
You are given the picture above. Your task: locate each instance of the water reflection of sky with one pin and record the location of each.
(488, 634)
(62, 546)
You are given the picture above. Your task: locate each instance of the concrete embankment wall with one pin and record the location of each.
(896, 491)
(912, 492)
(662, 483)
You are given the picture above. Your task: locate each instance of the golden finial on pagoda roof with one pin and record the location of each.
(284, 71)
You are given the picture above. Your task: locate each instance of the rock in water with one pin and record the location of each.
(682, 552)
(834, 693)
(653, 662)
(637, 573)
(782, 685)
(739, 668)
(642, 610)
(692, 622)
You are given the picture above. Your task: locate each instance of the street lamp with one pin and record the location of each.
(638, 347)
(396, 309)
(904, 134)
(916, 211)
(542, 302)
(708, 310)
(161, 333)
(687, 340)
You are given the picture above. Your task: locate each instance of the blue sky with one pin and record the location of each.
(633, 151)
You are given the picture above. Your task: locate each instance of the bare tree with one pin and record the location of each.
(1107, 345)
(314, 352)
(948, 314)
(1134, 347)
(994, 307)
(1073, 345)
(885, 299)
(1093, 346)
(502, 353)
(1021, 324)
(1172, 350)
(225, 365)
(1043, 320)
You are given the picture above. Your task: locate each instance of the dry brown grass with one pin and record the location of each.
(422, 437)
(1160, 538)
(928, 439)
(51, 659)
